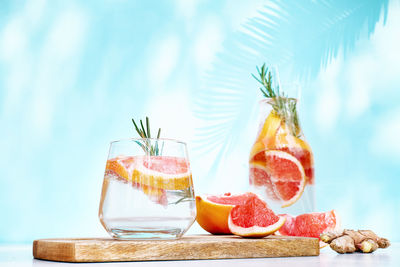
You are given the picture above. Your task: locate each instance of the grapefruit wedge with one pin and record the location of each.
(254, 219)
(310, 224)
(213, 211)
(281, 174)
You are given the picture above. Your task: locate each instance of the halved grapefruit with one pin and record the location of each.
(281, 174)
(213, 211)
(254, 219)
(165, 172)
(310, 224)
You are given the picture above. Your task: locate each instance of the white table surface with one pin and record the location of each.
(21, 256)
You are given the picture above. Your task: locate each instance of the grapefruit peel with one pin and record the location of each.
(256, 231)
(213, 211)
(212, 216)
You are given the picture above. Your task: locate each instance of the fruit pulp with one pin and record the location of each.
(281, 162)
(131, 207)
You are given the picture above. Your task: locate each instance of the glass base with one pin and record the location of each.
(146, 234)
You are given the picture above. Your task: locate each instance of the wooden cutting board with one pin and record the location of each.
(186, 248)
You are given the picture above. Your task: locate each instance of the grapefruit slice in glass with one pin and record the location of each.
(122, 166)
(281, 174)
(165, 172)
(254, 219)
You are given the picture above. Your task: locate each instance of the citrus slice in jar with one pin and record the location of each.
(301, 150)
(270, 126)
(164, 172)
(286, 142)
(281, 174)
(266, 135)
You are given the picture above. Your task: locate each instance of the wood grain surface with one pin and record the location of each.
(186, 248)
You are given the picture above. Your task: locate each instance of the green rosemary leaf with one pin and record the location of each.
(284, 107)
(183, 199)
(141, 145)
(258, 80)
(137, 128)
(156, 147)
(148, 127)
(144, 131)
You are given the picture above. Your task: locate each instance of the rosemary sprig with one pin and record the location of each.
(269, 92)
(185, 196)
(144, 132)
(284, 106)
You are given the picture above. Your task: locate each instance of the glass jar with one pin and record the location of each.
(281, 161)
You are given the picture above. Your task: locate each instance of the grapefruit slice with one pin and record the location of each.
(300, 149)
(310, 224)
(267, 133)
(213, 211)
(270, 126)
(169, 173)
(254, 219)
(281, 174)
(290, 144)
(122, 166)
(156, 195)
(260, 177)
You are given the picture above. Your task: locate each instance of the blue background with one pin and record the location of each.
(73, 74)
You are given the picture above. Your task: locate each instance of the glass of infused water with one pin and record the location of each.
(147, 190)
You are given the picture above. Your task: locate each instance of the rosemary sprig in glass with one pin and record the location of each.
(284, 106)
(145, 133)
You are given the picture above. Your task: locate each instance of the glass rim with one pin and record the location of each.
(152, 139)
(268, 99)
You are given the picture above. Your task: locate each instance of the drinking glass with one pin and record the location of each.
(147, 190)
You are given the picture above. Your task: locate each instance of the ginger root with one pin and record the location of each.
(349, 241)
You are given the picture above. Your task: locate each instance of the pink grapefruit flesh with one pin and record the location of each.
(310, 224)
(254, 219)
(282, 176)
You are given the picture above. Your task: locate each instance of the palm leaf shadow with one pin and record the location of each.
(298, 34)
